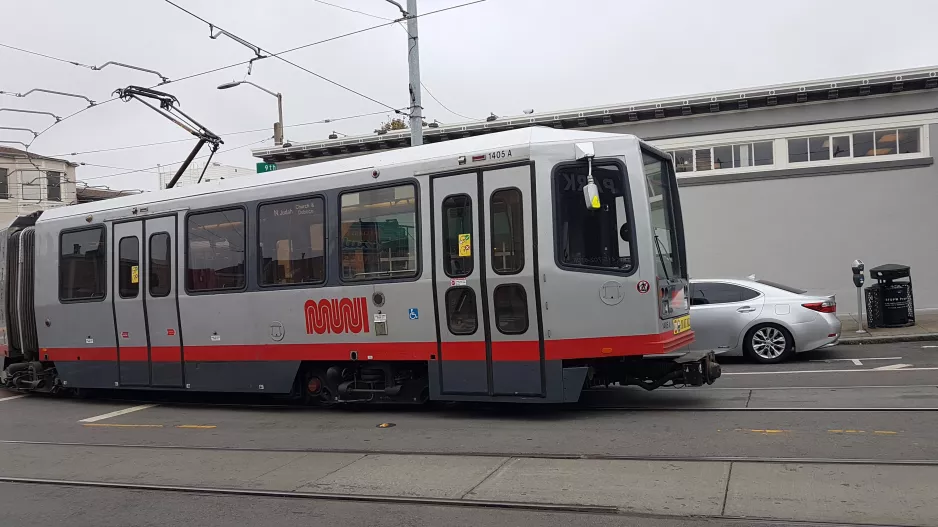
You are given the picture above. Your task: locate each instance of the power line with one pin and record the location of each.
(323, 41)
(295, 65)
(145, 145)
(149, 169)
(404, 29)
(72, 62)
(353, 10)
(430, 93)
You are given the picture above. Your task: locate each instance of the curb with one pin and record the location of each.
(886, 339)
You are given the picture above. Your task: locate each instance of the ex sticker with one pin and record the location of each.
(643, 287)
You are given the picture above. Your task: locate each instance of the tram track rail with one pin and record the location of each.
(505, 454)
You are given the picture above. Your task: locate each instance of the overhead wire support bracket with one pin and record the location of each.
(164, 78)
(168, 104)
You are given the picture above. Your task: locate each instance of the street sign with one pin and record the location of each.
(266, 167)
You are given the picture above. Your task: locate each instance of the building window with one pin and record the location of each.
(128, 269)
(683, 160)
(292, 242)
(161, 273)
(457, 236)
(4, 184)
(54, 186)
(840, 146)
(507, 231)
(598, 239)
(379, 233)
(864, 144)
(215, 252)
(82, 265)
(722, 157)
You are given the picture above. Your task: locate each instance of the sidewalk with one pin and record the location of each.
(861, 493)
(925, 328)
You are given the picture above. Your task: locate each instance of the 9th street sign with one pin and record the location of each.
(266, 167)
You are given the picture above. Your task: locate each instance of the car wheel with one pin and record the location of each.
(769, 344)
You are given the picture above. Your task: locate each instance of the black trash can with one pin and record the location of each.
(889, 302)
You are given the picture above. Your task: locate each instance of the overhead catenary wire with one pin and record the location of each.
(240, 132)
(213, 70)
(404, 29)
(353, 10)
(295, 65)
(148, 169)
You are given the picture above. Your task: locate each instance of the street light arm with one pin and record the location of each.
(40, 90)
(261, 88)
(16, 143)
(399, 6)
(56, 117)
(164, 78)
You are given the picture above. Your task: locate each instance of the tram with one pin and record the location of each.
(522, 266)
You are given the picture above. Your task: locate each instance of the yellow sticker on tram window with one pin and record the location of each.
(465, 245)
(135, 274)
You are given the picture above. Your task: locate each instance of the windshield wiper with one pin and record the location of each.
(661, 257)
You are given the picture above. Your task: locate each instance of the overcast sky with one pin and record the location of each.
(500, 56)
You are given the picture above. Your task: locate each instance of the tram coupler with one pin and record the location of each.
(699, 368)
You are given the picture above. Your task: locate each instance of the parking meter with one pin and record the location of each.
(858, 279)
(858, 276)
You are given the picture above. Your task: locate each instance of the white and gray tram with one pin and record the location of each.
(525, 265)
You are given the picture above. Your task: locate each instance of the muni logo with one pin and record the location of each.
(336, 315)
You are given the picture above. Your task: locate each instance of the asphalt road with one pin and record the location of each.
(27, 505)
(824, 405)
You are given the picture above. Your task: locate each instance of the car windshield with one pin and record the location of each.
(776, 285)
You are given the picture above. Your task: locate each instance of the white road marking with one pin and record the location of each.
(927, 347)
(893, 367)
(118, 412)
(12, 397)
(856, 361)
(823, 371)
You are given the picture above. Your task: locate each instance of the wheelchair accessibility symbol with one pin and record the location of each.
(413, 313)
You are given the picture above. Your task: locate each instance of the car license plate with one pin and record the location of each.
(681, 324)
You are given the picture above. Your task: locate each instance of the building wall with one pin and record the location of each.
(28, 189)
(804, 224)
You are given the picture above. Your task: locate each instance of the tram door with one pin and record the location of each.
(149, 347)
(490, 335)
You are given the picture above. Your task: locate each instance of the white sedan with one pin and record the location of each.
(764, 321)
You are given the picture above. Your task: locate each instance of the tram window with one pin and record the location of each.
(461, 313)
(507, 231)
(128, 269)
(457, 236)
(160, 265)
(660, 183)
(599, 239)
(511, 309)
(82, 265)
(379, 233)
(292, 242)
(215, 252)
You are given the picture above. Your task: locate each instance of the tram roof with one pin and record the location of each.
(339, 167)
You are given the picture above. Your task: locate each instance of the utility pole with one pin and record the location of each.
(413, 64)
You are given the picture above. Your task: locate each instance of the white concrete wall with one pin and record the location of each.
(28, 191)
(806, 231)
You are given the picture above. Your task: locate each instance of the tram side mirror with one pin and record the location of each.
(590, 190)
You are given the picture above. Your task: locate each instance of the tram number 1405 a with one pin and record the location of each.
(500, 154)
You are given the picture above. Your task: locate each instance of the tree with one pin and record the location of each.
(394, 124)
